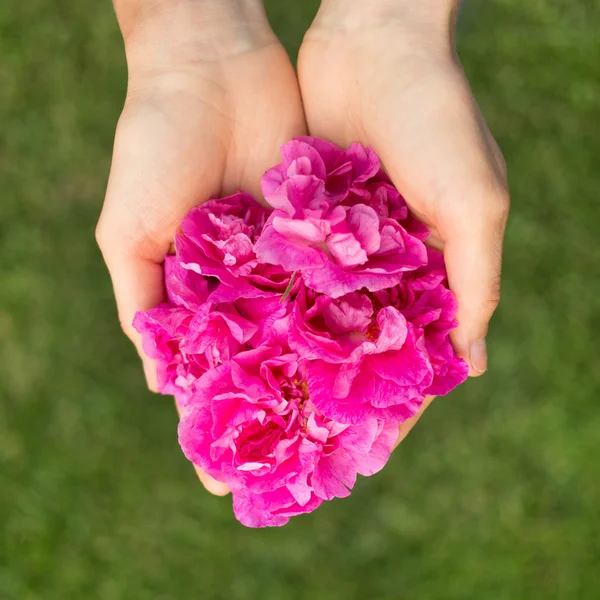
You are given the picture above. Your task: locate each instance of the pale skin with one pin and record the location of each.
(212, 95)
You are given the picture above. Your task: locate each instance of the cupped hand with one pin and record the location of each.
(391, 79)
(205, 114)
(386, 74)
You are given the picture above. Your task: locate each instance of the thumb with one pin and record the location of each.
(473, 255)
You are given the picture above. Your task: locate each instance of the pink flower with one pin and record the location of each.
(251, 424)
(217, 238)
(161, 329)
(424, 299)
(343, 172)
(379, 354)
(337, 248)
(360, 362)
(387, 202)
(296, 338)
(194, 333)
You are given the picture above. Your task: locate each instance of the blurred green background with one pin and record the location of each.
(495, 495)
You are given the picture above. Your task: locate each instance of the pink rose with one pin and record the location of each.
(193, 332)
(216, 239)
(425, 300)
(360, 362)
(251, 424)
(387, 202)
(343, 172)
(161, 329)
(337, 248)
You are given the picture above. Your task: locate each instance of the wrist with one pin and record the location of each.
(167, 34)
(429, 17)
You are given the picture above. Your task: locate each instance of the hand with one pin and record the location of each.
(386, 74)
(211, 97)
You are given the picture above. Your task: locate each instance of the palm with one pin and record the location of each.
(415, 110)
(199, 134)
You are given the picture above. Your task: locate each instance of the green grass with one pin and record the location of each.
(495, 495)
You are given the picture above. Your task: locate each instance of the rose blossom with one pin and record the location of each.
(343, 172)
(360, 362)
(379, 354)
(217, 238)
(425, 300)
(251, 424)
(337, 248)
(352, 176)
(193, 333)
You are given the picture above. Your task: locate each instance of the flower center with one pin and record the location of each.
(258, 441)
(373, 331)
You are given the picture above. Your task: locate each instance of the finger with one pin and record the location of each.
(212, 485)
(407, 425)
(138, 286)
(473, 255)
(137, 282)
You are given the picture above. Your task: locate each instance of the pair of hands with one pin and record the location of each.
(212, 95)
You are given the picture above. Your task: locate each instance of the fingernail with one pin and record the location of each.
(478, 356)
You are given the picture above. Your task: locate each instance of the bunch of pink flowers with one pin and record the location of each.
(297, 337)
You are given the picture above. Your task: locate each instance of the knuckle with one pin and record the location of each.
(127, 329)
(101, 235)
(489, 204)
(126, 326)
(501, 201)
(114, 240)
